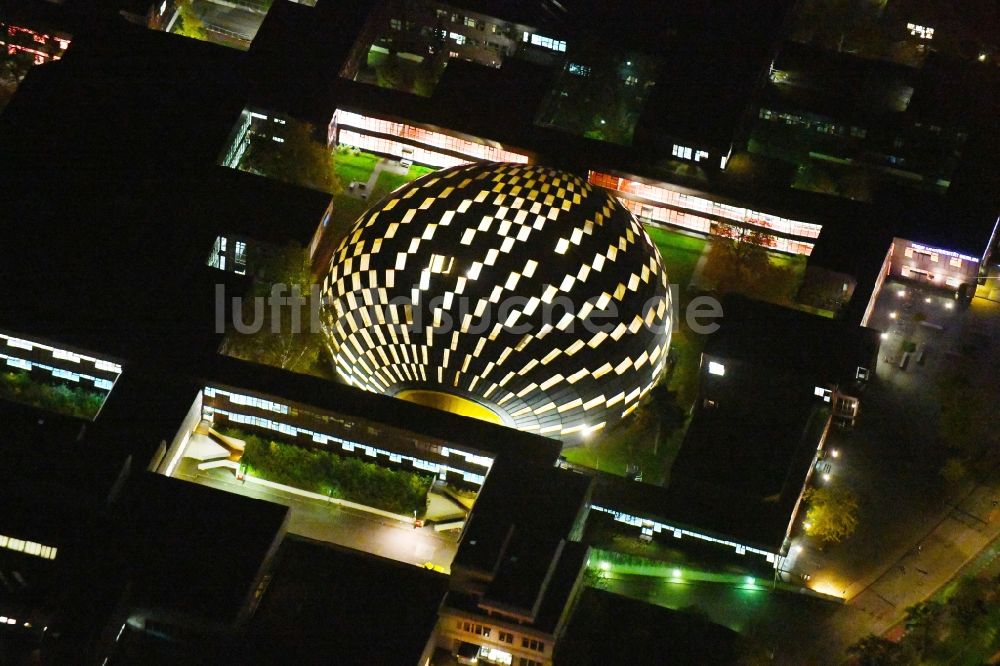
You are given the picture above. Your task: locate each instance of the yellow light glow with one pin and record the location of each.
(450, 403)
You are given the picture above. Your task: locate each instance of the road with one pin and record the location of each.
(325, 522)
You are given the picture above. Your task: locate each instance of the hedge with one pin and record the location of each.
(18, 386)
(326, 473)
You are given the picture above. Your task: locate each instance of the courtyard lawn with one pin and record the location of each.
(386, 183)
(680, 253)
(417, 171)
(349, 167)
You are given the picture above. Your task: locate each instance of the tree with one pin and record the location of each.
(832, 513)
(738, 262)
(189, 24)
(923, 622)
(12, 71)
(299, 158)
(874, 650)
(954, 470)
(287, 340)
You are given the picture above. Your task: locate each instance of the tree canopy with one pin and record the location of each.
(738, 262)
(832, 513)
(299, 158)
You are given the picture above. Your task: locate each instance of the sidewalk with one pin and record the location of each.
(968, 527)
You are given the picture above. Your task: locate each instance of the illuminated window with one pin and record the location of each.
(28, 547)
(920, 31)
(956, 262)
(716, 368)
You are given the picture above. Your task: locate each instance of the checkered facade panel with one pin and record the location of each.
(521, 287)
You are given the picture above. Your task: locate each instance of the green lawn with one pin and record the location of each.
(614, 449)
(350, 168)
(633, 442)
(386, 183)
(680, 253)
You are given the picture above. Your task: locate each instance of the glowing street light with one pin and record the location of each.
(885, 336)
(826, 476)
(835, 453)
(892, 315)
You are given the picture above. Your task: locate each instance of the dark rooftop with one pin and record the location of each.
(643, 634)
(332, 605)
(55, 474)
(226, 541)
(778, 340)
(540, 502)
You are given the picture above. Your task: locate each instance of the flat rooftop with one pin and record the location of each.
(327, 604)
(644, 635)
(779, 340)
(193, 550)
(538, 502)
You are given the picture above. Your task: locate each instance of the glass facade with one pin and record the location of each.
(699, 214)
(354, 129)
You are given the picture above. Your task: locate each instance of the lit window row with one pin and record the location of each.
(28, 547)
(411, 134)
(59, 373)
(247, 400)
(694, 222)
(60, 354)
(557, 45)
(350, 445)
(679, 532)
(664, 194)
(686, 153)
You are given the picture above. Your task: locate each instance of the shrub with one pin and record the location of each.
(326, 473)
(19, 386)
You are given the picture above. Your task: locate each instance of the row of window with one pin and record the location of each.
(557, 45)
(503, 636)
(28, 547)
(346, 445)
(247, 400)
(679, 532)
(470, 22)
(61, 354)
(686, 153)
(470, 149)
(953, 261)
(58, 373)
(821, 126)
(661, 215)
(663, 194)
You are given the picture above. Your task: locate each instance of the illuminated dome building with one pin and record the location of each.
(488, 289)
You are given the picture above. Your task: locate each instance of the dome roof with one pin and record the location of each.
(519, 287)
